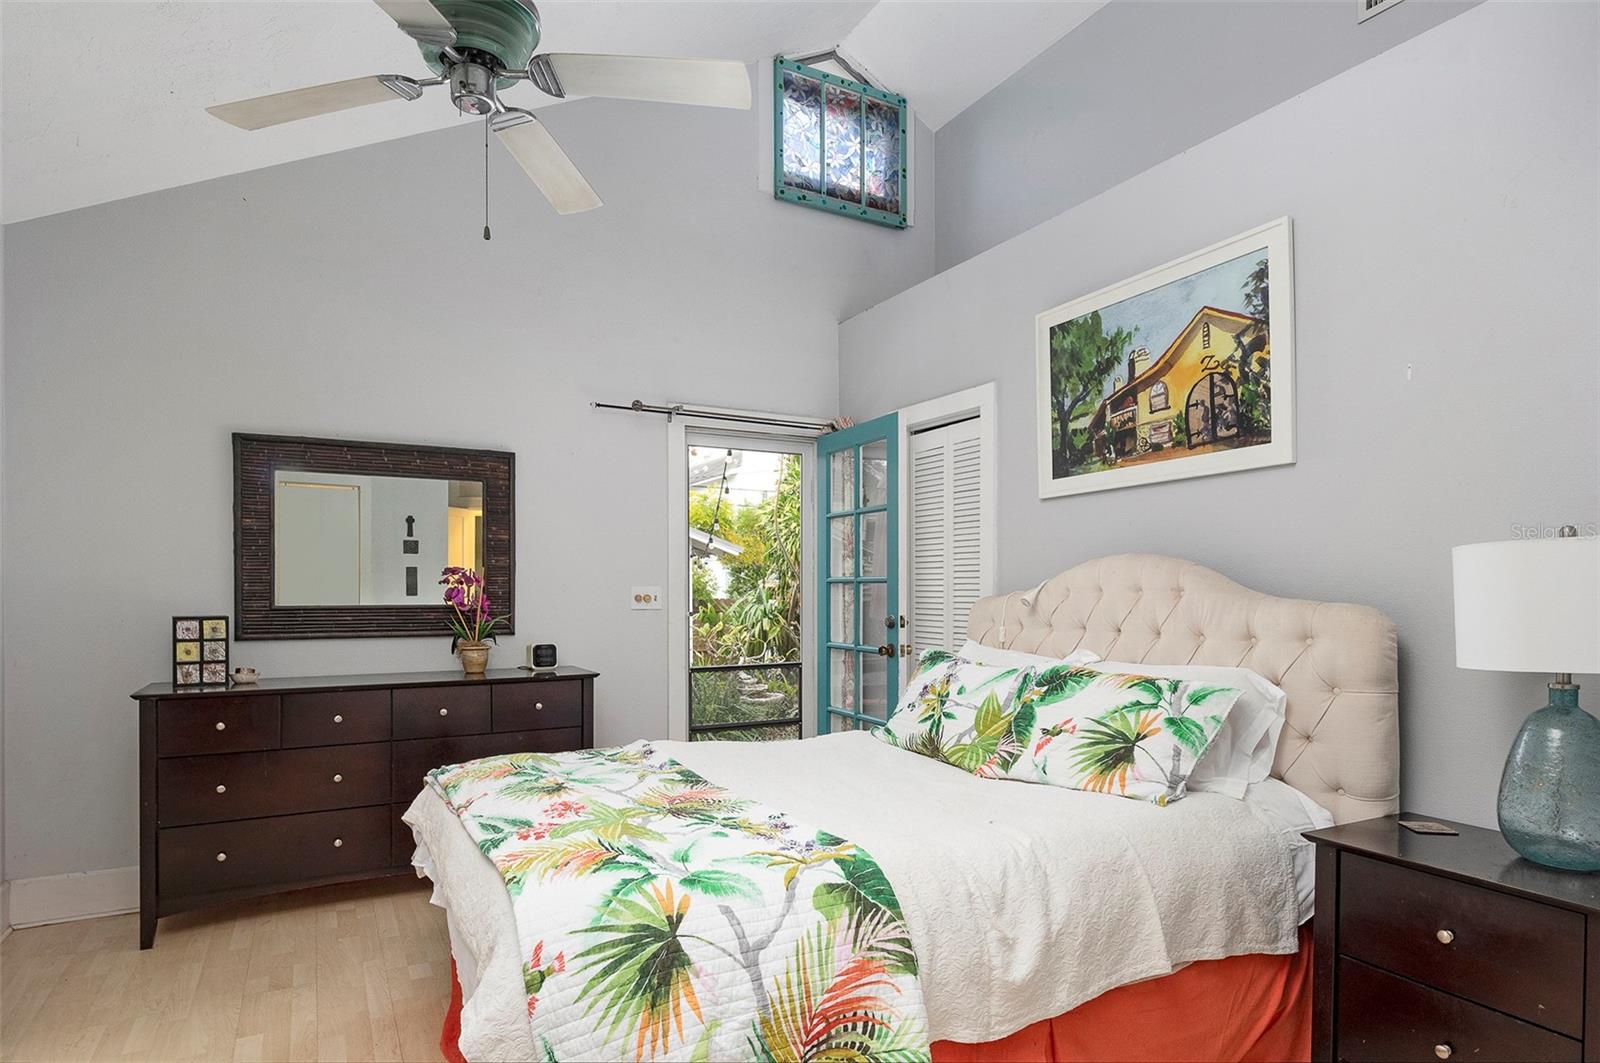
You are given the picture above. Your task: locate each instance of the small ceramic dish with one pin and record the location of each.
(245, 675)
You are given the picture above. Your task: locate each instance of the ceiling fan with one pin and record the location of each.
(479, 47)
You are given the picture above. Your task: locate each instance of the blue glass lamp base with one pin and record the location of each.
(1550, 792)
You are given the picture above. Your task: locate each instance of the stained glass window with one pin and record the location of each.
(883, 162)
(840, 144)
(802, 131)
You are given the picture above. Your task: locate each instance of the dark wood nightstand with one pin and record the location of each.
(1451, 947)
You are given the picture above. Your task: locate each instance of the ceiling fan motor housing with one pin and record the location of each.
(472, 87)
(501, 34)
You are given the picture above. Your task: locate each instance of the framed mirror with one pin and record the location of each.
(344, 539)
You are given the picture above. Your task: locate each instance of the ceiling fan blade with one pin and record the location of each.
(702, 82)
(531, 144)
(421, 21)
(291, 106)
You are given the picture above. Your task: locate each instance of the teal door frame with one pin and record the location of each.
(858, 606)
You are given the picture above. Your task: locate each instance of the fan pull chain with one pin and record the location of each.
(486, 177)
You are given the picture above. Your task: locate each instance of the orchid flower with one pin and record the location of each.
(464, 593)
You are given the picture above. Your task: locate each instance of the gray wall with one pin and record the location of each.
(352, 295)
(1139, 82)
(1445, 219)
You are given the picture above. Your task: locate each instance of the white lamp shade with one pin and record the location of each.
(1529, 606)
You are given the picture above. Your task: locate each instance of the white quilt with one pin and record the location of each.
(1022, 901)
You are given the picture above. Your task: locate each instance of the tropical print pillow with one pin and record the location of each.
(1064, 725)
(962, 713)
(1133, 735)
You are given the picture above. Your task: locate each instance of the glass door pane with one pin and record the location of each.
(745, 592)
(858, 575)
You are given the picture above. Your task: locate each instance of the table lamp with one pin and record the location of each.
(1534, 606)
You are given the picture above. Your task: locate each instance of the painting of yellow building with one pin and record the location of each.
(1189, 396)
(1175, 373)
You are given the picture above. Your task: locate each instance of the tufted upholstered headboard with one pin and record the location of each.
(1337, 663)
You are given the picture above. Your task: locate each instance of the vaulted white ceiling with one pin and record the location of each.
(104, 100)
(945, 55)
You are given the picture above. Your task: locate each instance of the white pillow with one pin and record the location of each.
(1243, 752)
(978, 653)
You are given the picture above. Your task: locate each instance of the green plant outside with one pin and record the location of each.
(757, 622)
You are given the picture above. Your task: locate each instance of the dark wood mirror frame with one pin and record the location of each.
(256, 458)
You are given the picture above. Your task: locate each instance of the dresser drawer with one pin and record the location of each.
(336, 718)
(405, 842)
(413, 760)
(537, 704)
(1515, 955)
(216, 725)
(428, 712)
(265, 852)
(244, 785)
(1383, 1018)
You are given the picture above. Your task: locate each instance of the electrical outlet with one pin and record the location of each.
(645, 598)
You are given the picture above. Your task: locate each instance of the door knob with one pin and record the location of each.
(886, 651)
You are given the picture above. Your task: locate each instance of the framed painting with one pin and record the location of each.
(1185, 370)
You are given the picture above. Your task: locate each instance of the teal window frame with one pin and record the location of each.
(821, 200)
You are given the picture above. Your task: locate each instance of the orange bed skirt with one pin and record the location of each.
(1255, 1008)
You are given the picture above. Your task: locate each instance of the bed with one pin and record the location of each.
(1052, 923)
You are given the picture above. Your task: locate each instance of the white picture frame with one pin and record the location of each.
(1110, 445)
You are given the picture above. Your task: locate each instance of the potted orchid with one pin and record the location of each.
(472, 627)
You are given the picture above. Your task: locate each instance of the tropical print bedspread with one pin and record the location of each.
(663, 917)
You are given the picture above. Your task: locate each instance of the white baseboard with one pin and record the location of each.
(81, 895)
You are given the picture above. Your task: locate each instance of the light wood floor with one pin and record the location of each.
(354, 972)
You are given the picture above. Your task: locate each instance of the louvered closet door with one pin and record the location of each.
(946, 541)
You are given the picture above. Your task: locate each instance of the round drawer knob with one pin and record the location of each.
(1445, 937)
(221, 726)
(338, 843)
(338, 719)
(444, 712)
(222, 789)
(338, 778)
(538, 705)
(221, 857)
(1443, 1050)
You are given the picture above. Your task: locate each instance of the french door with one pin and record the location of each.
(858, 575)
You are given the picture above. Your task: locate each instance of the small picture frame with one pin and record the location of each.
(199, 651)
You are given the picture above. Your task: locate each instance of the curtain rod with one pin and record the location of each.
(680, 410)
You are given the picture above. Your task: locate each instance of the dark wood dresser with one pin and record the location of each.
(301, 782)
(1436, 947)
